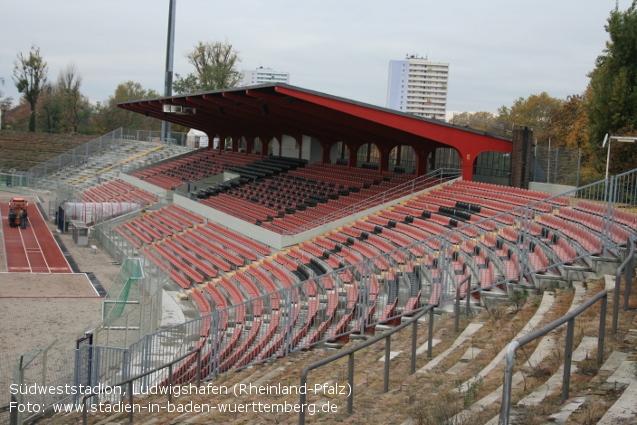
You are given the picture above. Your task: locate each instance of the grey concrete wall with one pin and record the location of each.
(274, 240)
(555, 189)
(255, 232)
(150, 188)
(290, 149)
(205, 182)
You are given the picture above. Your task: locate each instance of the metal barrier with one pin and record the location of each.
(42, 176)
(560, 165)
(14, 183)
(570, 320)
(628, 265)
(293, 326)
(131, 381)
(417, 185)
(350, 352)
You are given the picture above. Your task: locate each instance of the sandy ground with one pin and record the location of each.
(29, 322)
(39, 285)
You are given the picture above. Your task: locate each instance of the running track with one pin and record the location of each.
(31, 250)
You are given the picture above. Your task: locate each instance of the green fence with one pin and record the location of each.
(14, 183)
(124, 290)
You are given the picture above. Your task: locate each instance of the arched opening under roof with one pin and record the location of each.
(290, 148)
(339, 153)
(257, 146)
(444, 158)
(242, 145)
(228, 143)
(368, 156)
(402, 159)
(274, 147)
(492, 167)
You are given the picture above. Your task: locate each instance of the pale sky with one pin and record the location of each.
(498, 50)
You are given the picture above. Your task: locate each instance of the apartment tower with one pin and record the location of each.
(418, 86)
(263, 75)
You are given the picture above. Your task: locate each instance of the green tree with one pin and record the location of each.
(50, 109)
(612, 106)
(215, 68)
(29, 76)
(535, 112)
(5, 102)
(109, 117)
(568, 124)
(76, 109)
(62, 107)
(483, 121)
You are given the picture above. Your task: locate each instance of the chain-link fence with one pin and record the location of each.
(107, 151)
(557, 165)
(14, 183)
(61, 363)
(508, 247)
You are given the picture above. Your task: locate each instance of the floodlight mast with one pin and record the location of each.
(170, 53)
(621, 139)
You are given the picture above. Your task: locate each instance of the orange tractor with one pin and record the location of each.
(18, 205)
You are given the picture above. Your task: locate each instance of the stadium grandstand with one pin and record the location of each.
(317, 220)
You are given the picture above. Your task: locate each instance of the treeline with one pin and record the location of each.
(608, 105)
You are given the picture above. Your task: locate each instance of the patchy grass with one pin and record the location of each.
(22, 150)
(433, 398)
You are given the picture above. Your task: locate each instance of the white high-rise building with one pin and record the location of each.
(418, 86)
(263, 75)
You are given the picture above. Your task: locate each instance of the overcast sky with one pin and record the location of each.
(498, 50)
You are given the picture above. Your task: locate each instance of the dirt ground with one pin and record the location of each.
(36, 309)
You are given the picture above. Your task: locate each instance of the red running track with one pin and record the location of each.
(31, 250)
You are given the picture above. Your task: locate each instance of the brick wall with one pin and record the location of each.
(521, 156)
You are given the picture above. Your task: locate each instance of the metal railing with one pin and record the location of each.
(351, 351)
(129, 383)
(413, 321)
(568, 351)
(412, 187)
(628, 264)
(40, 176)
(290, 328)
(569, 319)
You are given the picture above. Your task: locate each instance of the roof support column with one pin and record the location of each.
(467, 167)
(249, 145)
(352, 159)
(383, 160)
(299, 141)
(326, 148)
(422, 153)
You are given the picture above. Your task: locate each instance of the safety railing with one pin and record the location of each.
(129, 383)
(412, 187)
(351, 351)
(627, 265)
(568, 350)
(295, 326)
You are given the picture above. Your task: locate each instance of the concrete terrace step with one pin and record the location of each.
(625, 408)
(613, 362)
(471, 329)
(547, 302)
(544, 348)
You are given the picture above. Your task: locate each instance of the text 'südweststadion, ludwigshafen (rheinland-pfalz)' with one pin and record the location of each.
(111, 399)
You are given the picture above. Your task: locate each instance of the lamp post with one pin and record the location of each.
(621, 139)
(168, 79)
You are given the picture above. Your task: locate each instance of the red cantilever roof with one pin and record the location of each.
(270, 110)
